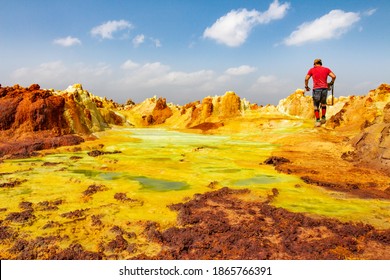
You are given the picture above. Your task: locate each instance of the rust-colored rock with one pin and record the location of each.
(234, 229)
(32, 109)
(76, 252)
(33, 119)
(28, 146)
(21, 217)
(161, 111)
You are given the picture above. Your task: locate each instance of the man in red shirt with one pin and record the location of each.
(320, 88)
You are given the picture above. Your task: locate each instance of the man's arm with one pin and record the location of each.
(307, 78)
(333, 76)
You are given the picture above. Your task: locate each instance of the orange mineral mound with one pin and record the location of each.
(35, 119)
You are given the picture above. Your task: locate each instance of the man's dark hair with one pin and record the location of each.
(318, 61)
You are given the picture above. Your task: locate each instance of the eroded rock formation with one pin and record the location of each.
(211, 111)
(33, 119)
(297, 104)
(371, 115)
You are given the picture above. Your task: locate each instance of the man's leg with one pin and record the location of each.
(317, 103)
(323, 113)
(324, 96)
(317, 114)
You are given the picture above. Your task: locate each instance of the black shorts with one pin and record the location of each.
(319, 97)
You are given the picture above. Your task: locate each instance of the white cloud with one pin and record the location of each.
(329, 26)
(155, 68)
(138, 40)
(43, 74)
(269, 89)
(370, 12)
(267, 79)
(106, 30)
(155, 78)
(58, 75)
(241, 70)
(129, 65)
(141, 75)
(99, 70)
(274, 12)
(233, 28)
(156, 42)
(50, 68)
(183, 78)
(157, 74)
(20, 72)
(67, 41)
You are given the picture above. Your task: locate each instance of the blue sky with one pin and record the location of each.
(187, 50)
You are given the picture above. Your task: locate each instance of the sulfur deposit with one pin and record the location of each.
(82, 177)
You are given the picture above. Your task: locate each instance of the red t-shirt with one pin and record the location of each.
(320, 76)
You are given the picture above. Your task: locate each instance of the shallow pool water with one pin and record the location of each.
(258, 180)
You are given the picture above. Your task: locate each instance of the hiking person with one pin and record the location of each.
(320, 88)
